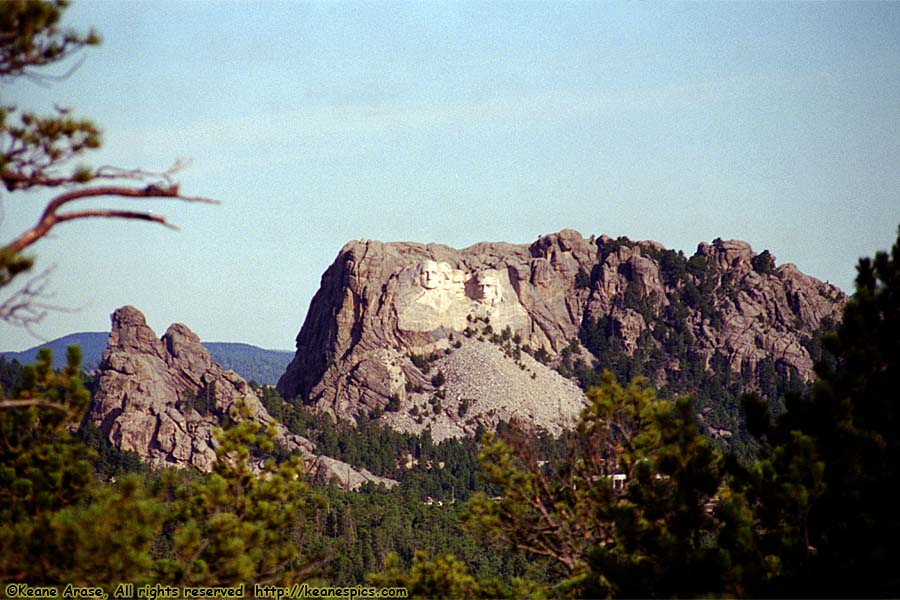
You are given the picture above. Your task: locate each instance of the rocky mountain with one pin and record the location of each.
(163, 399)
(250, 362)
(430, 336)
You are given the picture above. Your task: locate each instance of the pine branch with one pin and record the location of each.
(51, 217)
(12, 404)
(27, 306)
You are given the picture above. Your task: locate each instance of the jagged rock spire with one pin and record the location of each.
(164, 398)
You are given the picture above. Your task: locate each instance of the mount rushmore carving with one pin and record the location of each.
(382, 304)
(434, 294)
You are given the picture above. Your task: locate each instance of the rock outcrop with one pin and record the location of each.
(164, 398)
(380, 305)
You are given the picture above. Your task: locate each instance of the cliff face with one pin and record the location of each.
(163, 399)
(380, 305)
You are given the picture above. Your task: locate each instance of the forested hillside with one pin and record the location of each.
(633, 501)
(738, 434)
(427, 337)
(643, 505)
(347, 535)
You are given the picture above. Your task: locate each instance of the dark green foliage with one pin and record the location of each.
(673, 267)
(633, 299)
(235, 525)
(826, 491)
(818, 350)
(111, 462)
(612, 246)
(59, 523)
(12, 263)
(446, 576)
(597, 335)
(690, 295)
(42, 466)
(376, 532)
(354, 533)
(204, 402)
(663, 532)
(38, 39)
(10, 377)
(385, 451)
(105, 537)
(650, 538)
(541, 355)
(59, 136)
(56, 524)
(697, 265)
(274, 404)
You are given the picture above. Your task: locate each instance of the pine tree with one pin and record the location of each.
(826, 495)
(56, 525)
(651, 536)
(446, 577)
(37, 151)
(238, 525)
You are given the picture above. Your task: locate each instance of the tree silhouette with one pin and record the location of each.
(826, 493)
(37, 151)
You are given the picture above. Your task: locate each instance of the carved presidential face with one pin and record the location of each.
(430, 275)
(458, 282)
(445, 275)
(489, 288)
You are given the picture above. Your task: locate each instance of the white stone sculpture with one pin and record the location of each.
(435, 298)
(489, 291)
(430, 274)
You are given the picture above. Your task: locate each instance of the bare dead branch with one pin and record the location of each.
(116, 214)
(28, 306)
(43, 79)
(113, 172)
(19, 180)
(51, 217)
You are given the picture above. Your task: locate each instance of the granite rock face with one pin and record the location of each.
(164, 398)
(381, 304)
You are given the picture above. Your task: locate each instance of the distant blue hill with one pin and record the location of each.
(250, 362)
(92, 346)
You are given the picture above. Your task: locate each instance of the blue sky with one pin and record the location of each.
(318, 123)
